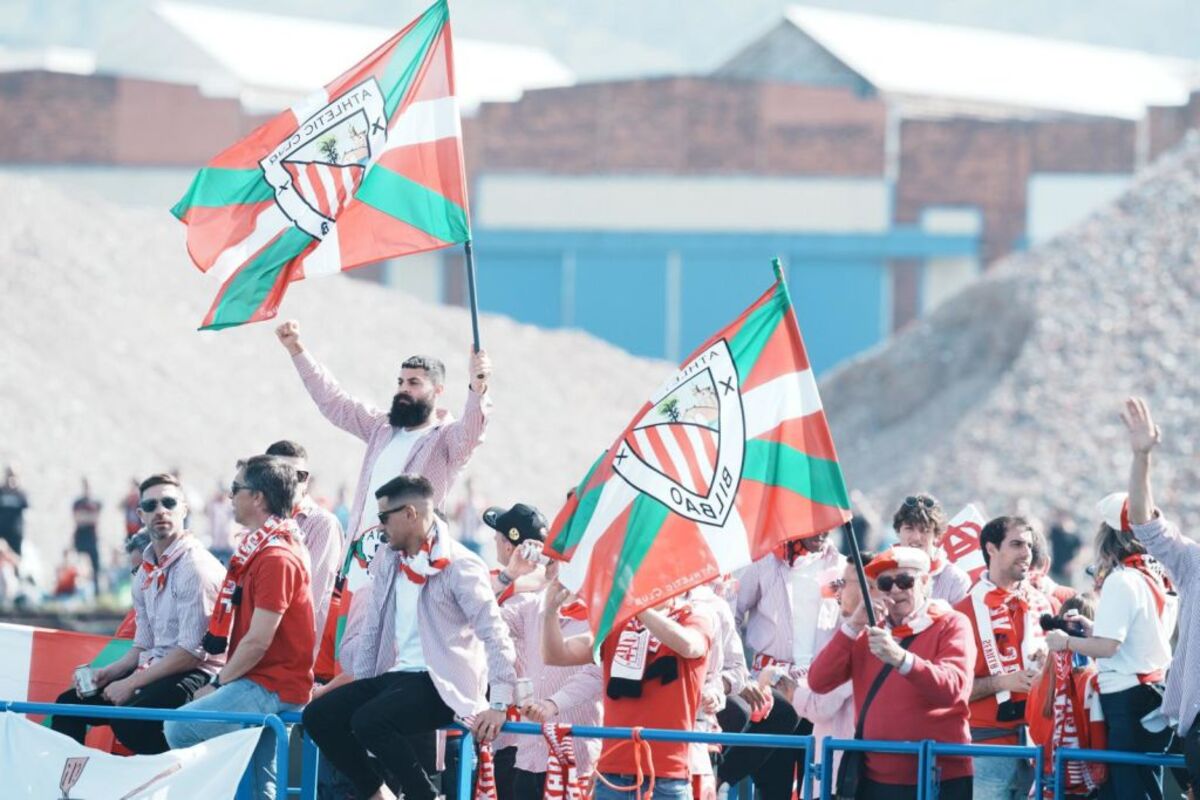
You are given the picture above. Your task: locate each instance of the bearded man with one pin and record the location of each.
(414, 437)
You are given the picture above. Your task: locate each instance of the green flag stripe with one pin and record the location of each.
(252, 283)
(419, 206)
(214, 186)
(782, 465)
(573, 531)
(409, 55)
(645, 519)
(752, 337)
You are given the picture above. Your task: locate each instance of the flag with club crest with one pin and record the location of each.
(368, 168)
(729, 458)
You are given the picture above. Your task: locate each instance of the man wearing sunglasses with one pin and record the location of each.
(174, 590)
(414, 437)
(911, 674)
(431, 647)
(920, 522)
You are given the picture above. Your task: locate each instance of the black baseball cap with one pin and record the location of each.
(517, 524)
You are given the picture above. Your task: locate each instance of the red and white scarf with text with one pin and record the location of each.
(275, 532)
(1072, 716)
(562, 777)
(1010, 612)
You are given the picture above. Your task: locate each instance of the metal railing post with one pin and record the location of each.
(466, 765)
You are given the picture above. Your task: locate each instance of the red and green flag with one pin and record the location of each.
(367, 169)
(729, 458)
(352, 577)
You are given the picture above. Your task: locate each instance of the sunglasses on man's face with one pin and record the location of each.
(383, 515)
(236, 487)
(150, 506)
(903, 582)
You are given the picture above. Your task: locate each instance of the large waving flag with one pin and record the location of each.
(730, 457)
(369, 168)
(351, 578)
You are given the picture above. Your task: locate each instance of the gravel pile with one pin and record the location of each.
(103, 374)
(1009, 394)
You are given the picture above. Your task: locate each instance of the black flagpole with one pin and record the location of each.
(855, 554)
(471, 299)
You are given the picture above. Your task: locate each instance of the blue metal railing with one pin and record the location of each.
(926, 751)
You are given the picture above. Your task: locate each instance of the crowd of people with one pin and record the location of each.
(790, 646)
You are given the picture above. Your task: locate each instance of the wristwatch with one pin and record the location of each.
(498, 707)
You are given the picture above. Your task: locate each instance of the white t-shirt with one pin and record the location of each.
(391, 462)
(805, 578)
(409, 655)
(1128, 614)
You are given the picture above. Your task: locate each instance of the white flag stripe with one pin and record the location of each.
(696, 439)
(789, 396)
(326, 258)
(267, 226)
(642, 439)
(683, 473)
(729, 543)
(615, 497)
(16, 657)
(347, 182)
(425, 121)
(331, 195)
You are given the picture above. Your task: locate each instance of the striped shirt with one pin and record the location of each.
(322, 536)
(576, 691)
(765, 594)
(1181, 558)
(439, 455)
(176, 615)
(463, 639)
(727, 659)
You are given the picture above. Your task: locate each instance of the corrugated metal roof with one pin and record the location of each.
(922, 59)
(277, 59)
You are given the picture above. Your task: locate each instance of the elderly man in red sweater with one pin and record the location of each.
(925, 652)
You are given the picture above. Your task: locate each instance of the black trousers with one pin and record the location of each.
(505, 762)
(953, 789)
(142, 736)
(1123, 712)
(382, 717)
(87, 543)
(528, 785)
(771, 770)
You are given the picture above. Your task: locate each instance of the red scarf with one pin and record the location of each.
(576, 609)
(485, 778)
(431, 559)
(1071, 723)
(1161, 588)
(922, 619)
(562, 777)
(274, 532)
(1018, 612)
(156, 573)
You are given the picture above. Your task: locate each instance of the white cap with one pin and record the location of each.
(1113, 510)
(899, 557)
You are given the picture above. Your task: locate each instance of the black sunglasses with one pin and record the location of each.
(903, 582)
(912, 501)
(236, 487)
(383, 515)
(150, 506)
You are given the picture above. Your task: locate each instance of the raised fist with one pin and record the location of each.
(289, 336)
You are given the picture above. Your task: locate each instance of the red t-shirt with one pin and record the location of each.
(277, 580)
(671, 705)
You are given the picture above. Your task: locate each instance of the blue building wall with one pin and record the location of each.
(661, 294)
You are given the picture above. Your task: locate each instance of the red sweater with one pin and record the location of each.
(930, 702)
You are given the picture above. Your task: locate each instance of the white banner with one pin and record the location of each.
(38, 763)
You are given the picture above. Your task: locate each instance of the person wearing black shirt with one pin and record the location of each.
(12, 510)
(86, 511)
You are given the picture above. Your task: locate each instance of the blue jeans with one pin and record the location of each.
(664, 788)
(241, 695)
(1000, 779)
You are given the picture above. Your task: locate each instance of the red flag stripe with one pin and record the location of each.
(384, 233)
(698, 472)
(436, 165)
(780, 513)
(783, 352)
(808, 434)
(212, 228)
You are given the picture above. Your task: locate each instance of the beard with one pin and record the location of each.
(409, 413)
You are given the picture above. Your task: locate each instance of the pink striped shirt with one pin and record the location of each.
(765, 593)
(464, 641)
(576, 691)
(176, 615)
(439, 455)
(323, 538)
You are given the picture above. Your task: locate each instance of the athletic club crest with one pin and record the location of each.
(317, 169)
(687, 450)
(364, 546)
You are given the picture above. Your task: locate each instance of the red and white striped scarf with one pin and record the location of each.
(562, 777)
(996, 608)
(432, 558)
(274, 532)
(155, 573)
(485, 778)
(1070, 713)
(920, 620)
